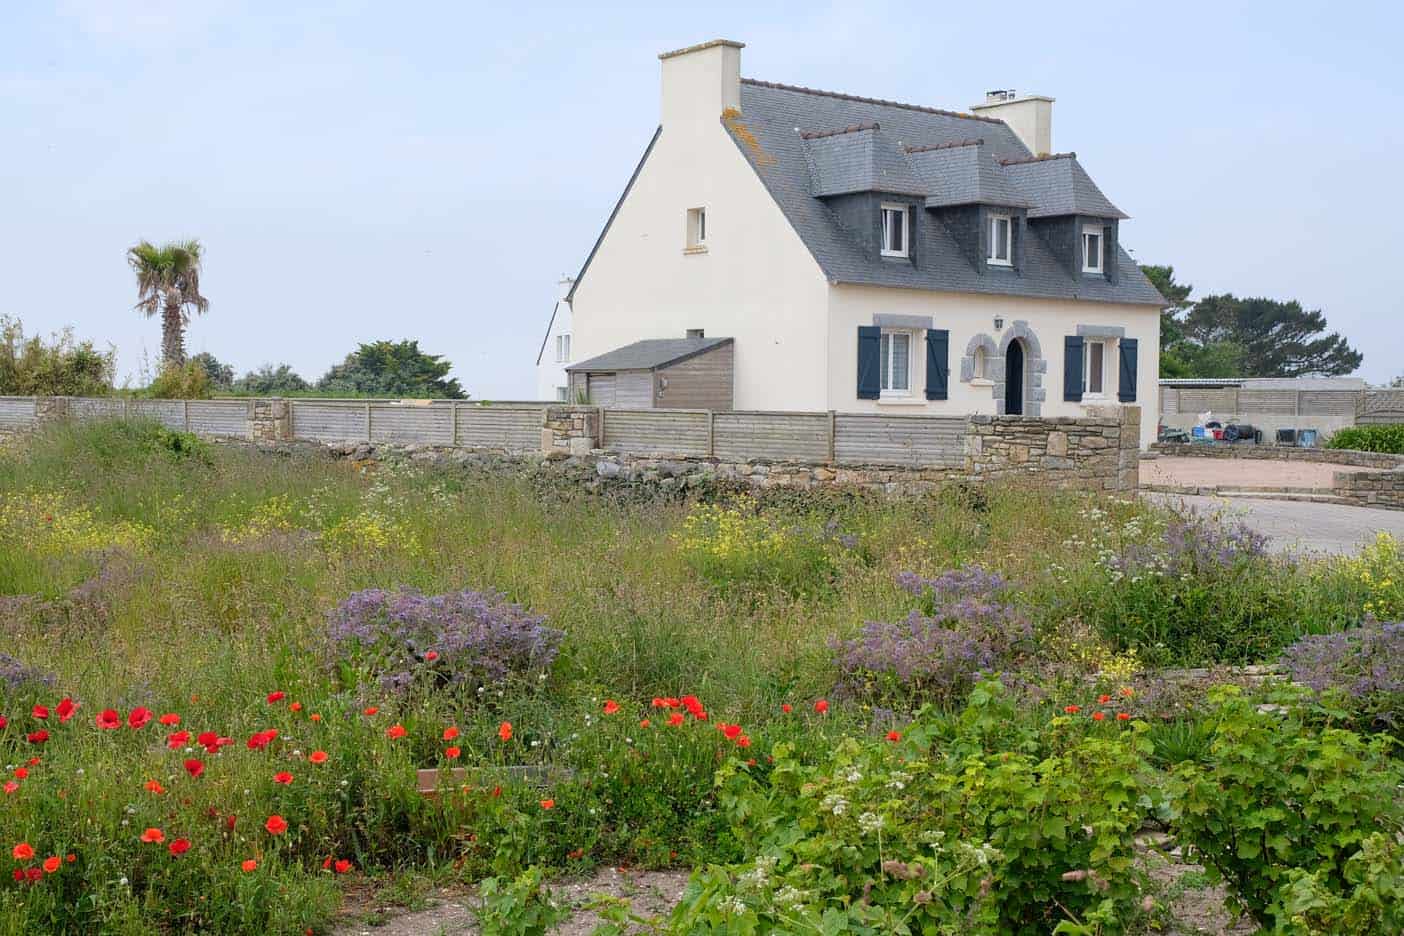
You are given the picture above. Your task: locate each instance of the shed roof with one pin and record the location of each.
(650, 354)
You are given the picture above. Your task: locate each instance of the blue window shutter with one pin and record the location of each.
(869, 362)
(1126, 386)
(938, 363)
(1072, 368)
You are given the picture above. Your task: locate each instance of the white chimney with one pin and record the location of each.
(1030, 117)
(564, 286)
(700, 82)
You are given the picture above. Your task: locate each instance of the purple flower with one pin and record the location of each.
(1365, 663)
(14, 674)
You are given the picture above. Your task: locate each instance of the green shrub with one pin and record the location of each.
(738, 544)
(940, 840)
(61, 366)
(186, 382)
(1389, 439)
(1278, 799)
(1371, 903)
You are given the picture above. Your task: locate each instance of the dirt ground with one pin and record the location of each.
(1244, 473)
(1194, 908)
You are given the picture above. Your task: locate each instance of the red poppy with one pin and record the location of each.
(34, 762)
(275, 696)
(548, 804)
(1126, 693)
(153, 836)
(170, 719)
(371, 710)
(177, 739)
(610, 706)
(743, 742)
(283, 777)
(21, 773)
(22, 852)
(1122, 716)
(326, 863)
(450, 733)
(452, 753)
(1098, 716)
(108, 719)
(431, 656)
(894, 736)
(787, 708)
(675, 719)
(276, 825)
(39, 711)
(139, 717)
(342, 866)
(261, 739)
(51, 864)
(249, 865)
(1072, 709)
(395, 731)
(318, 757)
(3, 723)
(70, 857)
(66, 708)
(644, 723)
(295, 707)
(10, 787)
(37, 737)
(315, 717)
(180, 846)
(732, 732)
(154, 786)
(34, 874)
(1103, 699)
(194, 767)
(504, 731)
(230, 821)
(822, 706)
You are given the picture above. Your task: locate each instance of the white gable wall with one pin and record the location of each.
(755, 282)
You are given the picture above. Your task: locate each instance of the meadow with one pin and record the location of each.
(221, 669)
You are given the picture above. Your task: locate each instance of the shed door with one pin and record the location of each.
(602, 389)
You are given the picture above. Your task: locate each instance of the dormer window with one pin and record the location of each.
(1001, 240)
(895, 230)
(1093, 241)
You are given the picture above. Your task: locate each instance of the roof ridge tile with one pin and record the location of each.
(868, 100)
(1034, 159)
(854, 128)
(954, 144)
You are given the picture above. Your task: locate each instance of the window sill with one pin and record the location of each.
(889, 255)
(900, 401)
(1095, 399)
(981, 382)
(1006, 264)
(698, 249)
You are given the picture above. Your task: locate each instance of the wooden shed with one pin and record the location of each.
(659, 373)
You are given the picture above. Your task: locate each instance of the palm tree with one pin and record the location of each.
(168, 282)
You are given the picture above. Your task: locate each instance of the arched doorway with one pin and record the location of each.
(1014, 378)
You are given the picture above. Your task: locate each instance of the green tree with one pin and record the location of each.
(61, 366)
(1278, 339)
(221, 375)
(386, 368)
(168, 283)
(271, 381)
(1173, 352)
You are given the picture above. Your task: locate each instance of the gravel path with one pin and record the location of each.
(1300, 526)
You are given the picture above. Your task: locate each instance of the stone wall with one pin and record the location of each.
(271, 421)
(1371, 488)
(1279, 453)
(1098, 452)
(569, 430)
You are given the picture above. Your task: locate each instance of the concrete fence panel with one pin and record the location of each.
(329, 420)
(775, 436)
(18, 412)
(918, 441)
(228, 418)
(657, 432)
(508, 428)
(411, 423)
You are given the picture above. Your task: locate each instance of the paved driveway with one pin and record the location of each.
(1199, 472)
(1301, 525)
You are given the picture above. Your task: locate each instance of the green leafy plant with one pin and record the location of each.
(523, 906)
(1277, 800)
(1387, 438)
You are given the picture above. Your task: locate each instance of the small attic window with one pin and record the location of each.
(895, 230)
(1001, 240)
(696, 228)
(1093, 243)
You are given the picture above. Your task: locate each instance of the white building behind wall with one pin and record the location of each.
(556, 351)
(869, 256)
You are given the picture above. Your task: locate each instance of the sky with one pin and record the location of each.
(367, 170)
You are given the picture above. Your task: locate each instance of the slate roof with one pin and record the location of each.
(963, 173)
(777, 116)
(649, 354)
(1058, 185)
(860, 158)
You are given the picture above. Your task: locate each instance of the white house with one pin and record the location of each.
(867, 256)
(554, 355)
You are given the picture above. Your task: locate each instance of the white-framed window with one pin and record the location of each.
(896, 229)
(696, 228)
(896, 363)
(1001, 240)
(1095, 358)
(562, 349)
(562, 394)
(1093, 244)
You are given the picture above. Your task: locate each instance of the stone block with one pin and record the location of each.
(1057, 444)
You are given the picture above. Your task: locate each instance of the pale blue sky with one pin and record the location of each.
(362, 170)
